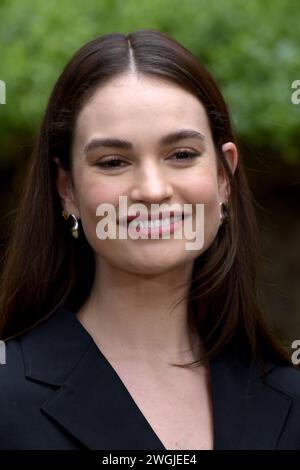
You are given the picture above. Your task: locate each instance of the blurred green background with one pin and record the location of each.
(251, 48)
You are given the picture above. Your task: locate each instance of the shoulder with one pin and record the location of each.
(256, 406)
(285, 379)
(12, 371)
(269, 372)
(283, 401)
(19, 399)
(48, 349)
(36, 363)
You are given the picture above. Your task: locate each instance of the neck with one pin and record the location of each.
(141, 316)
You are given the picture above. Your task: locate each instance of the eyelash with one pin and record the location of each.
(191, 155)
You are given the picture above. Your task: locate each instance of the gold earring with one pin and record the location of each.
(223, 212)
(74, 225)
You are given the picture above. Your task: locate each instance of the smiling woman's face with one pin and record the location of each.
(142, 111)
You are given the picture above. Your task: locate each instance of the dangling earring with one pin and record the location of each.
(74, 225)
(223, 212)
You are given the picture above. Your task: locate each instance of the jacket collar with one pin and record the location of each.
(92, 403)
(249, 411)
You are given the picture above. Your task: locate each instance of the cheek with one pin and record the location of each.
(94, 190)
(91, 194)
(204, 190)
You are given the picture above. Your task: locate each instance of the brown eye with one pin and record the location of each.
(185, 155)
(111, 164)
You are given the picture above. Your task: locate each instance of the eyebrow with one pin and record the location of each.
(125, 144)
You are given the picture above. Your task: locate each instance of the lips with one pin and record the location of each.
(144, 218)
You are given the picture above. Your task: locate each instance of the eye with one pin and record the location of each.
(182, 155)
(185, 155)
(111, 164)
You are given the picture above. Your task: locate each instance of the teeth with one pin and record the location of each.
(155, 223)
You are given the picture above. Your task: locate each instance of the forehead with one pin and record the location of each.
(132, 106)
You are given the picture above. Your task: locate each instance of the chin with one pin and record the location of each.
(154, 266)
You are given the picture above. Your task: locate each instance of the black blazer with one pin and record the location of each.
(58, 391)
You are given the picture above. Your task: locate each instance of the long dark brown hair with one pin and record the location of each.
(45, 268)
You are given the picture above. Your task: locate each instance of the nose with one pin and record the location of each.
(151, 184)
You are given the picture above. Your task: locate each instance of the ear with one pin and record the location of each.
(230, 153)
(65, 190)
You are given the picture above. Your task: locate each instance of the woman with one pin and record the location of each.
(138, 343)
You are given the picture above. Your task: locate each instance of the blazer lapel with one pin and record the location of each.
(95, 406)
(91, 403)
(249, 412)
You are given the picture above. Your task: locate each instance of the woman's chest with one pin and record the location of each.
(177, 405)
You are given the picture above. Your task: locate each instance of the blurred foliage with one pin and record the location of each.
(251, 48)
